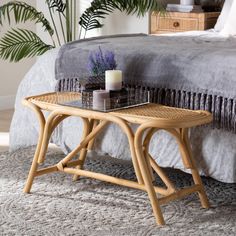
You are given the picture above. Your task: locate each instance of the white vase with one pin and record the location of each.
(187, 2)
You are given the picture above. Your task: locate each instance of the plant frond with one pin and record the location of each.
(99, 9)
(58, 5)
(17, 44)
(23, 12)
(140, 7)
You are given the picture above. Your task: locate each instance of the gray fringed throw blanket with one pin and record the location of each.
(189, 72)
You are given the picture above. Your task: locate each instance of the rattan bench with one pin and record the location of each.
(150, 119)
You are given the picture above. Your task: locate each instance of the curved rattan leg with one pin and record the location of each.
(153, 163)
(146, 151)
(196, 177)
(52, 122)
(136, 166)
(87, 128)
(83, 143)
(130, 135)
(34, 165)
(91, 143)
(147, 177)
(176, 133)
(181, 135)
(104, 121)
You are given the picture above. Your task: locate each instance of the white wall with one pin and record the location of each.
(120, 23)
(12, 73)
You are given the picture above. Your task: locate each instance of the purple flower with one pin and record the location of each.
(100, 61)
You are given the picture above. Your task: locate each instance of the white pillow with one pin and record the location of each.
(223, 15)
(230, 24)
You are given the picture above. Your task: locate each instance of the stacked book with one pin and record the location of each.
(184, 8)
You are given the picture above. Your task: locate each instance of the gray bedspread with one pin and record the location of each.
(189, 72)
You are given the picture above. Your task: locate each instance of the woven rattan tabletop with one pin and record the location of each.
(167, 116)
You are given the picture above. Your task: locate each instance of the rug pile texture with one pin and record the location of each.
(59, 206)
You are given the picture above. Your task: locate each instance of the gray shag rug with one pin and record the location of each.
(58, 206)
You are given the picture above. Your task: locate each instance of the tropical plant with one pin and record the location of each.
(17, 44)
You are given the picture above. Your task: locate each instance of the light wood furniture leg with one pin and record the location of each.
(181, 135)
(91, 143)
(146, 154)
(196, 177)
(147, 177)
(130, 135)
(152, 162)
(87, 128)
(126, 129)
(82, 144)
(52, 122)
(34, 165)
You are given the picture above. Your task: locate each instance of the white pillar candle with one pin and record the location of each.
(101, 99)
(187, 2)
(113, 80)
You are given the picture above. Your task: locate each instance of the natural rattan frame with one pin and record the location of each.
(94, 122)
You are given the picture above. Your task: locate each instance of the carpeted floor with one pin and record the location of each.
(58, 206)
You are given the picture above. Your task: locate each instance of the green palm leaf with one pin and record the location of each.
(59, 5)
(140, 7)
(99, 9)
(23, 12)
(17, 44)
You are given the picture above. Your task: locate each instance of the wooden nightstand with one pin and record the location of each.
(179, 21)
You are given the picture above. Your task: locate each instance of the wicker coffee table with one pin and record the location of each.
(150, 119)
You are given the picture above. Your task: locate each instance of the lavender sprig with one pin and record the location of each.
(100, 61)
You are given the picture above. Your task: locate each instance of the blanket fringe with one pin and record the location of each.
(223, 109)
